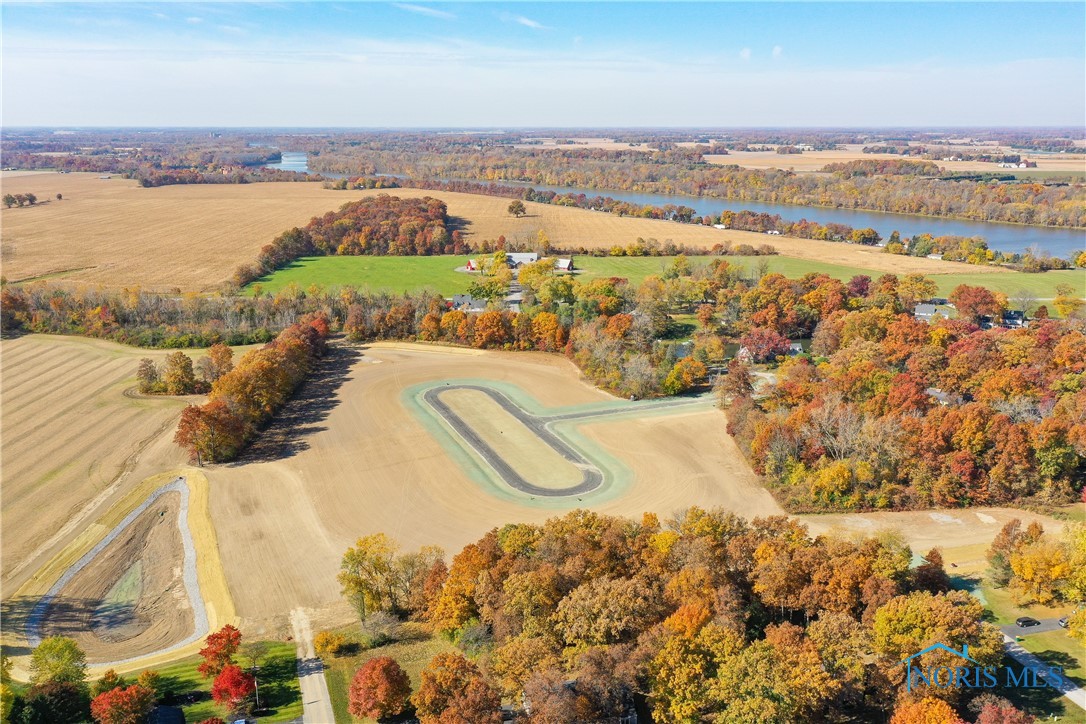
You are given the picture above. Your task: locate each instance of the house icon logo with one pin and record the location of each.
(963, 654)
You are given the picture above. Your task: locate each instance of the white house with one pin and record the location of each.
(563, 265)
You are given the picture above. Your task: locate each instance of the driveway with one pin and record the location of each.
(1047, 624)
(1076, 694)
(316, 701)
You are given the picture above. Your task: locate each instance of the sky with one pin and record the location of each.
(500, 65)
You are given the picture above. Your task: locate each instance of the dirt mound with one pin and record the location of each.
(130, 599)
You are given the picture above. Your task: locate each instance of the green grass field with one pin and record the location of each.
(280, 694)
(1042, 286)
(406, 273)
(376, 273)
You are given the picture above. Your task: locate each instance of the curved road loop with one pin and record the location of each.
(591, 475)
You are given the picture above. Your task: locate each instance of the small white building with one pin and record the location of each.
(519, 259)
(565, 265)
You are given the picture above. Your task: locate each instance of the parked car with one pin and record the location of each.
(1063, 622)
(1027, 621)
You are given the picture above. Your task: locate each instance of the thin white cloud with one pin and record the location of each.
(232, 29)
(194, 20)
(745, 54)
(778, 51)
(427, 11)
(526, 22)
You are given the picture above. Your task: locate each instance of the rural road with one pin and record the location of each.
(316, 701)
(1076, 694)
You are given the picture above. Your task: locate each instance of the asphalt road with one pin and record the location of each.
(1047, 624)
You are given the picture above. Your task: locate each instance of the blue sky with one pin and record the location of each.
(543, 64)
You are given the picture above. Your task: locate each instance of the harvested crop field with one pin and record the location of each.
(74, 436)
(1073, 164)
(192, 237)
(353, 456)
(130, 600)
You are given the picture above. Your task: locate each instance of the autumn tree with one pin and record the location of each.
(211, 432)
(217, 362)
(232, 688)
(1040, 570)
(110, 680)
(128, 705)
(974, 302)
(58, 659)
(452, 690)
(380, 688)
(764, 344)
(926, 711)
(177, 374)
(327, 644)
(218, 651)
(516, 208)
(147, 376)
(686, 374)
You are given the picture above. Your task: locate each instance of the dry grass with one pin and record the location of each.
(193, 237)
(72, 440)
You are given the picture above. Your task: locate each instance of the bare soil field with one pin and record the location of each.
(69, 432)
(130, 600)
(192, 237)
(365, 463)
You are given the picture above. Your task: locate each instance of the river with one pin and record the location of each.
(1003, 237)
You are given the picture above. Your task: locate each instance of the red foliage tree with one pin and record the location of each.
(219, 650)
(974, 302)
(130, 705)
(453, 691)
(232, 687)
(764, 344)
(379, 689)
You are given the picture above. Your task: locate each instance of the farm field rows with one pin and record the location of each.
(69, 432)
(192, 237)
(398, 274)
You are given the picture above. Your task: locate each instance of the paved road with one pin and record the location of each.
(1076, 694)
(591, 475)
(316, 701)
(1047, 624)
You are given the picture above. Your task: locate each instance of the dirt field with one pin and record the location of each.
(192, 237)
(129, 600)
(368, 464)
(72, 436)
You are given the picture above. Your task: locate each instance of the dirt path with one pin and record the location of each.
(316, 701)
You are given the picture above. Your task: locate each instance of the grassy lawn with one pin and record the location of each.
(405, 273)
(280, 695)
(1006, 610)
(1059, 649)
(1042, 286)
(413, 655)
(376, 273)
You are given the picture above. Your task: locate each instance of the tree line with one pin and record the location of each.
(700, 617)
(243, 399)
(657, 172)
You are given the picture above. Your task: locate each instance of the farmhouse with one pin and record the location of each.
(468, 303)
(925, 312)
(518, 259)
(563, 264)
